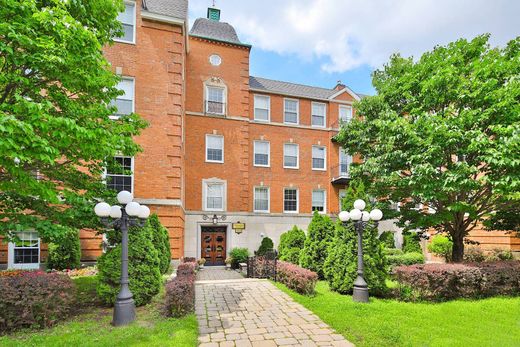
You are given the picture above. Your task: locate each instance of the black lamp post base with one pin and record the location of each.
(360, 294)
(124, 312)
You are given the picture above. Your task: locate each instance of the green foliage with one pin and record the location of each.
(314, 252)
(265, 246)
(405, 259)
(392, 251)
(411, 242)
(387, 238)
(443, 131)
(143, 268)
(55, 130)
(291, 244)
(238, 255)
(441, 246)
(161, 242)
(64, 251)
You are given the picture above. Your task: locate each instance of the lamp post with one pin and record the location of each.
(122, 217)
(361, 219)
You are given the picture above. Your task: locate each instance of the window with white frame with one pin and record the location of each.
(24, 251)
(261, 153)
(262, 108)
(318, 114)
(344, 162)
(127, 19)
(290, 200)
(215, 100)
(119, 173)
(125, 103)
(290, 156)
(261, 199)
(214, 196)
(215, 148)
(318, 157)
(345, 113)
(291, 111)
(318, 200)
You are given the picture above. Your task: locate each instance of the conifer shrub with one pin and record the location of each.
(64, 251)
(387, 238)
(266, 245)
(161, 242)
(291, 244)
(411, 242)
(314, 252)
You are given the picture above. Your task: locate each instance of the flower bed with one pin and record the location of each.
(179, 298)
(296, 278)
(83, 272)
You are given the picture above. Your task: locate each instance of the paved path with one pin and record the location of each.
(214, 274)
(250, 312)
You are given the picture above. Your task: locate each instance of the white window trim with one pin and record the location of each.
(268, 153)
(205, 183)
(324, 201)
(10, 257)
(297, 200)
(268, 108)
(324, 114)
(297, 167)
(135, 24)
(324, 159)
(128, 78)
(345, 107)
(105, 173)
(350, 160)
(268, 199)
(206, 96)
(297, 111)
(206, 149)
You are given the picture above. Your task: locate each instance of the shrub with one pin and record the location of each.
(238, 255)
(314, 252)
(473, 255)
(450, 281)
(296, 278)
(387, 239)
(34, 299)
(64, 251)
(179, 297)
(405, 259)
(291, 244)
(392, 251)
(265, 246)
(411, 242)
(186, 269)
(441, 246)
(188, 260)
(499, 254)
(340, 267)
(161, 242)
(143, 269)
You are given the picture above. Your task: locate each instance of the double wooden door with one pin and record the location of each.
(213, 247)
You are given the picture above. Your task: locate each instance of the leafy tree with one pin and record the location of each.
(319, 234)
(55, 95)
(444, 132)
(265, 246)
(291, 244)
(161, 242)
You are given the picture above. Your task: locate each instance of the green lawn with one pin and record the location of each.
(382, 322)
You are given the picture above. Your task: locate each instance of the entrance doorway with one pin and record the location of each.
(213, 246)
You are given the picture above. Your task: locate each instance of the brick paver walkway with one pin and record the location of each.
(214, 274)
(250, 312)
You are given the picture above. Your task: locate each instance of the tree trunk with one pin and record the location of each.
(457, 254)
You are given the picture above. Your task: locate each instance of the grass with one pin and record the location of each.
(92, 327)
(384, 322)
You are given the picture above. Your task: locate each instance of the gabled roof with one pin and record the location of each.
(171, 8)
(215, 30)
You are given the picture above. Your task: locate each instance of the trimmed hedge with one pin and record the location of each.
(438, 282)
(179, 297)
(186, 269)
(405, 259)
(34, 299)
(296, 278)
(64, 251)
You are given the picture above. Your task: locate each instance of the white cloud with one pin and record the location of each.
(344, 34)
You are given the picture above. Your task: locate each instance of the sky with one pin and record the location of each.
(321, 42)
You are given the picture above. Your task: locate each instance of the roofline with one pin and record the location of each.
(221, 41)
(343, 90)
(288, 94)
(162, 18)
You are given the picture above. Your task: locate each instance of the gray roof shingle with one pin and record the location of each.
(212, 29)
(288, 88)
(172, 8)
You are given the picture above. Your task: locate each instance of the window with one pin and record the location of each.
(215, 100)
(214, 196)
(318, 200)
(261, 153)
(318, 115)
(24, 253)
(119, 173)
(345, 113)
(342, 195)
(290, 156)
(290, 200)
(215, 60)
(318, 157)
(261, 199)
(344, 162)
(262, 108)
(215, 148)
(291, 110)
(124, 103)
(127, 18)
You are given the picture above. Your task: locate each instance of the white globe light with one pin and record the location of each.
(102, 209)
(115, 212)
(344, 216)
(355, 214)
(376, 214)
(133, 208)
(359, 204)
(124, 197)
(365, 216)
(144, 212)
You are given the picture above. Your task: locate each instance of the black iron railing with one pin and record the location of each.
(263, 266)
